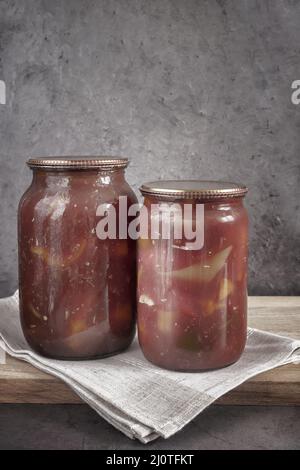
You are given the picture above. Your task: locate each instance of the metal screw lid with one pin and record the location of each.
(193, 189)
(78, 163)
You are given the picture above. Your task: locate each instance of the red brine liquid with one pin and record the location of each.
(77, 292)
(192, 304)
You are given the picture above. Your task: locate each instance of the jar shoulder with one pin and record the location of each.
(41, 199)
(226, 213)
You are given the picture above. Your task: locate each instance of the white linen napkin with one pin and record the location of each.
(138, 398)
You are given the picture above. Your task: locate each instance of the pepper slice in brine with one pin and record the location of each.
(190, 341)
(60, 261)
(226, 288)
(205, 271)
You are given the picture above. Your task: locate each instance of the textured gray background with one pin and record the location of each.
(185, 88)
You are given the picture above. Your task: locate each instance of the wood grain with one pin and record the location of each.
(22, 383)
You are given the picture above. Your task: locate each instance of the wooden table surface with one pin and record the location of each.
(22, 383)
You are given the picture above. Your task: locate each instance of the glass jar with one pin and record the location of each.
(192, 295)
(77, 291)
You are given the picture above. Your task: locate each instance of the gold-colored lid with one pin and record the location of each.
(78, 163)
(193, 189)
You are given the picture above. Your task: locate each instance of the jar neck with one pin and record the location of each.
(215, 204)
(67, 178)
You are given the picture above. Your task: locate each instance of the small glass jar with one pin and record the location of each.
(77, 291)
(192, 295)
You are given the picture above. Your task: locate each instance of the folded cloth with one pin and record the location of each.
(138, 398)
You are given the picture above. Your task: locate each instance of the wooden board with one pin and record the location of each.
(22, 383)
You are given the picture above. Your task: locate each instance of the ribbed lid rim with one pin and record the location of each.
(193, 189)
(78, 163)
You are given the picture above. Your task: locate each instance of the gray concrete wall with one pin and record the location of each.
(185, 88)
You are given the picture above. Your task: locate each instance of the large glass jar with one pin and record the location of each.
(192, 295)
(77, 290)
